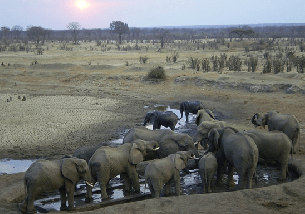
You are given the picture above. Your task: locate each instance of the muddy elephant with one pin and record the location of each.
(286, 123)
(159, 118)
(164, 171)
(207, 168)
(45, 176)
(238, 150)
(190, 107)
(146, 134)
(201, 134)
(106, 163)
(273, 146)
(86, 152)
(204, 115)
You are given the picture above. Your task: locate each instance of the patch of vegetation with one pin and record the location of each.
(157, 73)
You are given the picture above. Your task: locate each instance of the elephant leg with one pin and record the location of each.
(167, 187)
(230, 175)
(134, 177)
(249, 176)
(89, 190)
(220, 173)
(177, 183)
(152, 191)
(63, 198)
(241, 180)
(127, 182)
(284, 170)
(69, 186)
(103, 179)
(28, 204)
(186, 116)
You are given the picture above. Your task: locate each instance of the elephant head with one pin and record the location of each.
(213, 137)
(204, 115)
(150, 117)
(74, 169)
(204, 128)
(170, 144)
(140, 149)
(260, 119)
(179, 159)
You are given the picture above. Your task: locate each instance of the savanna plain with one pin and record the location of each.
(86, 94)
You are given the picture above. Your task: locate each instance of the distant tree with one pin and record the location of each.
(119, 28)
(135, 32)
(16, 30)
(241, 32)
(36, 33)
(5, 32)
(161, 34)
(74, 28)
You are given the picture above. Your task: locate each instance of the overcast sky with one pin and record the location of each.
(56, 14)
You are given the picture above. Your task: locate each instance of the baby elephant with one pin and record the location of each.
(163, 171)
(159, 118)
(46, 176)
(207, 168)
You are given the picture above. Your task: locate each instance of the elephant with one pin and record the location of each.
(159, 118)
(190, 107)
(273, 146)
(106, 163)
(204, 115)
(86, 152)
(146, 134)
(201, 134)
(207, 167)
(46, 176)
(286, 123)
(164, 171)
(169, 141)
(240, 152)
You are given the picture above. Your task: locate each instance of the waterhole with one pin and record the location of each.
(190, 181)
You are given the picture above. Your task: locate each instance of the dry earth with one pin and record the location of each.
(69, 105)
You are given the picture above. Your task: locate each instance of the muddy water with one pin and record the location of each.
(190, 182)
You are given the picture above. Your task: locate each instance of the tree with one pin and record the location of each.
(135, 33)
(16, 30)
(74, 27)
(240, 32)
(36, 33)
(5, 32)
(161, 33)
(119, 28)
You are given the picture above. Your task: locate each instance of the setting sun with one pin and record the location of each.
(81, 4)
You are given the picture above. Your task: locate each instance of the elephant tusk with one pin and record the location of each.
(89, 184)
(196, 143)
(196, 158)
(155, 149)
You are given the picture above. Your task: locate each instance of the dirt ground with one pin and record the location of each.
(70, 105)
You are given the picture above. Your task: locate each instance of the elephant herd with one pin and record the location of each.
(159, 154)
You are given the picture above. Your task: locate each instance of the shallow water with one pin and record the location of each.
(10, 166)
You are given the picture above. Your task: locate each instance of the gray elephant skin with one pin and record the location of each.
(169, 141)
(107, 163)
(146, 134)
(190, 107)
(204, 115)
(207, 168)
(159, 118)
(273, 146)
(164, 171)
(286, 123)
(201, 134)
(46, 176)
(238, 150)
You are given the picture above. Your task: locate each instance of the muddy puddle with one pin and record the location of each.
(190, 182)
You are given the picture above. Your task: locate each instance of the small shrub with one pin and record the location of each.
(193, 62)
(157, 73)
(143, 59)
(175, 56)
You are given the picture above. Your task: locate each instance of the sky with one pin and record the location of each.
(57, 14)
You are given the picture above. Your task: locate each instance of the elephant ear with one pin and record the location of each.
(178, 161)
(253, 120)
(210, 113)
(69, 169)
(199, 116)
(136, 153)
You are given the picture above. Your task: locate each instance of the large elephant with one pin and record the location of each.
(107, 162)
(164, 171)
(159, 118)
(146, 134)
(45, 176)
(201, 134)
(238, 150)
(286, 123)
(190, 107)
(207, 168)
(204, 115)
(273, 146)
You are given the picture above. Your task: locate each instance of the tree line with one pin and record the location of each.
(121, 31)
